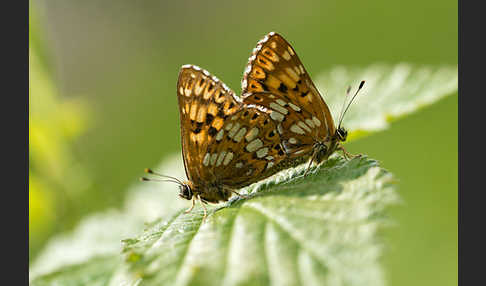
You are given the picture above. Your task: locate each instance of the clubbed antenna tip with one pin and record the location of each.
(361, 84)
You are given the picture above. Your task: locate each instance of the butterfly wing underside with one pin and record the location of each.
(276, 79)
(223, 141)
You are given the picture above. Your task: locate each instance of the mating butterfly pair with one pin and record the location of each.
(229, 142)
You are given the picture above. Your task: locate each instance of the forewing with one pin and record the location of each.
(276, 79)
(204, 105)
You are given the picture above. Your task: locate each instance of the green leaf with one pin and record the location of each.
(293, 230)
(97, 236)
(390, 92)
(98, 271)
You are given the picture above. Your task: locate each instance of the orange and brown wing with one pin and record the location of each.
(223, 140)
(246, 149)
(204, 105)
(276, 79)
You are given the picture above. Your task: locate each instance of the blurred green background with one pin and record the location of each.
(103, 103)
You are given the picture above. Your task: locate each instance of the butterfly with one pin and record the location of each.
(276, 79)
(226, 144)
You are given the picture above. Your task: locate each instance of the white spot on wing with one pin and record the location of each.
(281, 102)
(292, 74)
(228, 158)
(303, 125)
(187, 91)
(252, 134)
(228, 127)
(277, 116)
(233, 130)
(220, 158)
(310, 123)
(213, 158)
(262, 152)
(296, 129)
(198, 89)
(254, 145)
(220, 134)
(240, 134)
(294, 107)
(206, 159)
(248, 69)
(278, 108)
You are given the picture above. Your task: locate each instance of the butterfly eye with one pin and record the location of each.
(185, 192)
(342, 134)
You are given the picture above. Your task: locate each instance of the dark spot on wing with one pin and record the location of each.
(264, 86)
(283, 87)
(212, 131)
(209, 118)
(220, 113)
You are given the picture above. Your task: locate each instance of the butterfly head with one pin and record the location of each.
(185, 188)
(341, 134)
(185, 191)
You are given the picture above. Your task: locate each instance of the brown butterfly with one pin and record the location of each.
(226, 144)
(276, 79)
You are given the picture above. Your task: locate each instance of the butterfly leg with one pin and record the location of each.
(192, 206)
(205, 209)
(346, 154)
(311, 160)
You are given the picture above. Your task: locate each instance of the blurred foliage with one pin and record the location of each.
(123, 56)
(55, 176)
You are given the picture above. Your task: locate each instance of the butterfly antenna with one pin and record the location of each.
(348, 90)
(145, 179)
(351, 101)
(149, 171)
